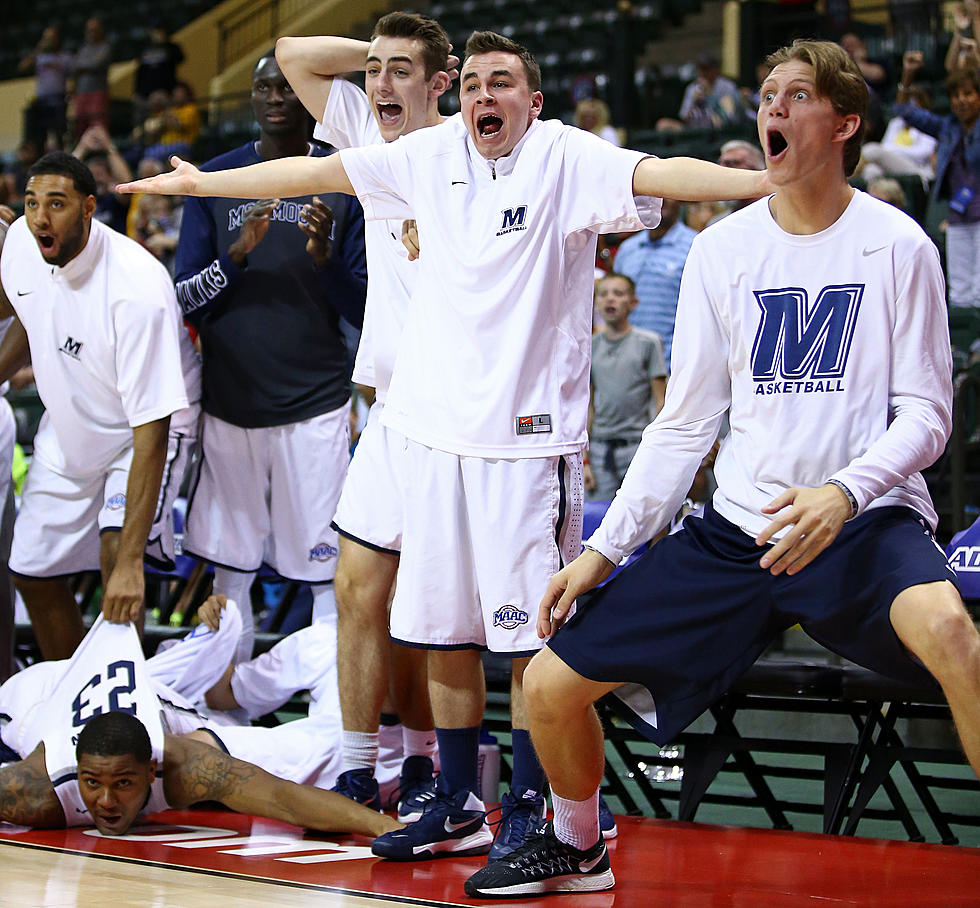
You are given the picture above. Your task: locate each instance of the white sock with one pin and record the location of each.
(577, 822)
(360, 750)
(237, 585)
(418, 743)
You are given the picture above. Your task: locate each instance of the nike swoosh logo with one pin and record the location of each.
(450, 826)
(868, 252)
(458, 183)
(24, 292)
(586, 866)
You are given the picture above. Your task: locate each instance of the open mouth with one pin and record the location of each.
(45, 241)
(777, 143)
(489, 125)
(389, 112)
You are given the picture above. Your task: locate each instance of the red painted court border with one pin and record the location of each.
(679, 865)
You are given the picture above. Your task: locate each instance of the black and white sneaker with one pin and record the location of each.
(450, 825)
(543, 865)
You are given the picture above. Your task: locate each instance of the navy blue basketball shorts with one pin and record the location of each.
(684, 621)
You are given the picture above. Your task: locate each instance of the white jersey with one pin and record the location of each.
(106, 672)
(107, 345)
(348, 122)
(494, 359)
(51, 701)
(831, 352)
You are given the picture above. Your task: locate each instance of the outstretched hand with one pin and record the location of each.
(585, 572)
(182, 180)
(814, 516)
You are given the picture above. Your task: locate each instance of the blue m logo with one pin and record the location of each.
(513, 219)
(797, 340)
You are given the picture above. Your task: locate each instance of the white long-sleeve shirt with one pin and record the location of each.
(831, 352)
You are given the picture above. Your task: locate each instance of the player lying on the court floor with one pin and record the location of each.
(97, 740)
(306, 750)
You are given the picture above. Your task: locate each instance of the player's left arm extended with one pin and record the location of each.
(691, 180)
(27, 796)
(279, 178)
(123, 596)
(195, 772)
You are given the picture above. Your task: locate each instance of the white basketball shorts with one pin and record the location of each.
(370, 508)
(268, 495)
(60, 519)
(482, 539)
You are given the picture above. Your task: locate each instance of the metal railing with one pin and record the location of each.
(241, 30)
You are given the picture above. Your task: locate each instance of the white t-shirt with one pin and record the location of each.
(349, 123)
(494, 359)
(107, 345)
(832, 353)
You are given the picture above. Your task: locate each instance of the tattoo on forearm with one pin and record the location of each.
(27, 797)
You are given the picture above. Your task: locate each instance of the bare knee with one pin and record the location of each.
(951, 633)
(363, 583)
(943, 636)
(552, 690)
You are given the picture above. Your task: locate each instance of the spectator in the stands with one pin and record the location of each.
(628, 382)
(742, 155)
(149, 132)
(45, 117)
(903, 149)
(90, 70)
(16, 175)
(957, 171)
(710, 101)
(654, 260)
(592, 115)
(147, 167)
(875, 75)
(100, 153)
(180, 125)
(157, 67)
(963, 50)
(157, 225)
(888, 190)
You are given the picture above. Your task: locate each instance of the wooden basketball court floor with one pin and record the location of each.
(185, 859)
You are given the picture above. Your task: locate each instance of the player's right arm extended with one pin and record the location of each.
(27, 797)
(279, 178)
(195, 771)
(310, 64)
(691, 180)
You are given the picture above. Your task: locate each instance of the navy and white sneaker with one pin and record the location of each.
(543, 865)
(416, 788)
(359, 785)
(451, 825)
(607, 822)
(520, 814)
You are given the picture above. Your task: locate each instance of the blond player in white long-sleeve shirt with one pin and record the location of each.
(816, 319)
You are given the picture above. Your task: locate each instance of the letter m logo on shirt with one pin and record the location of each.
(797, 339)
(513, 217)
